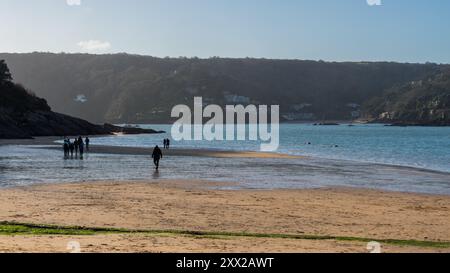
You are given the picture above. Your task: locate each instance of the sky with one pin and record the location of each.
(330, 30)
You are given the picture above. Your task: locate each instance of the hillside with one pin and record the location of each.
(125, 88)
(424, 102)
(23, 115)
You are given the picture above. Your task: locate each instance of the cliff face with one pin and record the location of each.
(424, 102)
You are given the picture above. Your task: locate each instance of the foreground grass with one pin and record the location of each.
(9, 229)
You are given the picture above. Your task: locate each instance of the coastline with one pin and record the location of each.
(324, 220)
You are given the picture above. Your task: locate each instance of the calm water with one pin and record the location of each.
(369, 157)
(417, 147)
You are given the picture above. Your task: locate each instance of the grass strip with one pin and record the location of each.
(11, 228)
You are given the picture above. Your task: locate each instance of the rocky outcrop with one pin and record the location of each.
(44, 123)
(129, 130)
(47, 123)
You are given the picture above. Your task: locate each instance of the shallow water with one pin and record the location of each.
(28, 165)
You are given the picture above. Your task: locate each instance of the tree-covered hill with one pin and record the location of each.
(125, 88)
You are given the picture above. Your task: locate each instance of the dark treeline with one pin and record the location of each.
(15, 96)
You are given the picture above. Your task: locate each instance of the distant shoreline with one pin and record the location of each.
(330, 122)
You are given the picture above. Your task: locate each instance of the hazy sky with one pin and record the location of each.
(353, 30)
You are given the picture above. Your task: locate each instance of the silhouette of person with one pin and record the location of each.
(87, 141)
(77, 146)
(168, 144)
(66, 147)
(157, 155)
(165, 143)
(81, 146)
(71, 148)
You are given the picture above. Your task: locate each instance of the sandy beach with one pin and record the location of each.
(178, 205)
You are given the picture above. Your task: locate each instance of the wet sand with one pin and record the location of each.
(50, 143)
(183, 152)
(193, 206)
(31, 141)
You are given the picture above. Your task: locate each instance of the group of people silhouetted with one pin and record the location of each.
(76, 147)
(166, 143)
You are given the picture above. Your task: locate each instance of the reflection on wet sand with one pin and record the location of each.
(27, 165)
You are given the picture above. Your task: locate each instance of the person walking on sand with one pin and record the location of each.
(157, 155)
(87, 141)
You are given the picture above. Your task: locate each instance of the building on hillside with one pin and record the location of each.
(237, 99)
